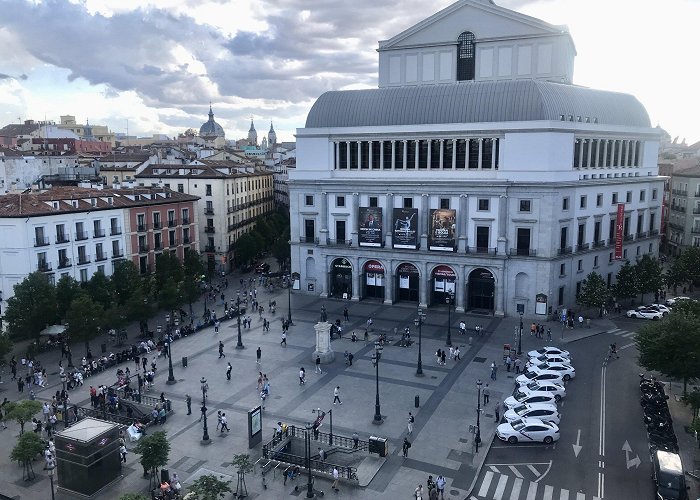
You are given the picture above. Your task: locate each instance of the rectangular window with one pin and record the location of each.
(208, 190)
(523, 241)
(629, 197)
(309, 200)
(340, 201)
(562, 269)
(580, 265)
(578, 288)
(408, 203)
(483, 204)
(642, 195)
(525, 206)
(611, 231)
(654, 194)
(599, 200)
(610, 257)
(185, 215)
(596, 232)
(614, 198)
(609, 280)
(309, 230)
(639, 250)
(156, 220)
(565, 204)
(561, 296)
(445, 203)
(171, 238)
(83, 275)
(582, 201)
(373, 201)
(595, 262)
(563, 237)
(624, 253)
(340, 232)
(482, 238)
(581, 237)
(180, 188)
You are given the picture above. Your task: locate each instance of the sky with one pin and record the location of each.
(154, 66)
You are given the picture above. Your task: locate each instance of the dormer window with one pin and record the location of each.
(465, 56)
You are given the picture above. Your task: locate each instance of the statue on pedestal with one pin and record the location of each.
(324, 315)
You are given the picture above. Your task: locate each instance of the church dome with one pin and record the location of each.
(210, 128)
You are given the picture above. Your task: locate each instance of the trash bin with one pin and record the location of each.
(164, 476)
(184, 361)
(104, 348)
(417, 401)
(378, 445)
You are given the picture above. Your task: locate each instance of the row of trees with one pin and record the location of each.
(270, 233)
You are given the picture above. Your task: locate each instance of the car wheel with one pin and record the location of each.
(548, 440)
(633, 315)
(557, 398)
(654, 318)
(512, 440)
(665, 314)
(567, 377)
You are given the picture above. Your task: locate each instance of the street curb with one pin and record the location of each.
(481, 466)
(584, 337)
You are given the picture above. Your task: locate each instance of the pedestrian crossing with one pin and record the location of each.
(622, 333)
(496, 486)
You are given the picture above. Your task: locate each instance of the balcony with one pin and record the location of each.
(158, 245)
(209, 211)
(172, 243)
(695, 230)
(64, 263)
(482, 250)
(339, 243)
(118, 254)
(641, 234)
(80, 236)
(696, 194)
(582, 247)
(100, 257)
(142, 228)
(696, 210)
(172, 222)
(209, 248)
(143, 248)
(654, 232)
(679, 192)
(308, 239)
(41, 241)
(564, 251)
(115, 230)
(599, 244)
(523, 252)
(186, 240)
(62, 238)
(678, 208)
(98, 233)
(83, 259)
(157, 225)
(209, 229)
(230, 210)
(185, 221)
(628, 237)
(43, 266)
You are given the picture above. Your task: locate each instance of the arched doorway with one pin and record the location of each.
(481, 289)
(407, 283)
(341, 279)
(444, 279)
(373, 280)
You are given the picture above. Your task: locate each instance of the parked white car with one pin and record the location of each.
(534, 373)
(548, 358)
(656, 307)
(644, 314)
(528, 430)
(525, 395)
(557, 390)
(549, 350)
(674, 300)
(544, 411)
(566, 370)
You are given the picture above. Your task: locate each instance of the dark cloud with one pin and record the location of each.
(3, 76)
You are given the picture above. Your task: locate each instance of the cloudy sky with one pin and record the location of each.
(158, 63)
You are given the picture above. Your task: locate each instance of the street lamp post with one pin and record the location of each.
(448, 300)
(205, 386)
(239, 344)
(171, 375)
(290, 282)
(520, 336)
(477, 439)
(375, 361)
(307, 452)
(419, 323)
(50, 469)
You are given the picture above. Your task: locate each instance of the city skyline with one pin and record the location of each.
(272, 63)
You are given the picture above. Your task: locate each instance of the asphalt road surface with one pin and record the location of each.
(603, 451)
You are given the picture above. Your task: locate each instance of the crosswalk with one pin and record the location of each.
(622, 333)
(497, 486)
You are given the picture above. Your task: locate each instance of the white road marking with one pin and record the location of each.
(580, 496)
(534, 471)
(564, 494)
(627, 346)
(548, 492)
(494, 469)
(532, 491)
(500, 488)
(515, 471)
(614, 330)
(601, 437)
(515, 492)
(630, 334)
(488, 477)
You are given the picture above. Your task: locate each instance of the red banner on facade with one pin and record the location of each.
(619, 230)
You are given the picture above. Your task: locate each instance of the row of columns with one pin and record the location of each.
(404, 159)
(622, 158)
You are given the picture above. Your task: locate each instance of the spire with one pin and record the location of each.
(272, 129)
(211, 113)
(252, 126)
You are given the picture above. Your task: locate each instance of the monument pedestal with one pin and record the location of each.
(323, 343)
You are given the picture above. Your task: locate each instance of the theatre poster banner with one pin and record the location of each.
(405, 228)
(442, 229)
(619, 229)
(370, 234)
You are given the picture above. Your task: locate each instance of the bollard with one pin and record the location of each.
(417, 401)
(470, 341)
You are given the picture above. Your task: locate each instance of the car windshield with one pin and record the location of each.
(530, 375)
(517, 424)
(669, 481)
(520, 395)
(533, 386)
(542, 366)
(520, 408)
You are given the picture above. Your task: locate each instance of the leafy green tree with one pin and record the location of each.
(168, 266)
(245, 248)
(243, 465)
(32, 307)
(28, 446)
(138, 306)
(208, 487)
(281, 250)
(690, 262)
(154, 450)
(126, 280)
(649, 275)
(133, 496)
(672, 347)
(100, 289)
(676, 275)
(84, 317)
(22, 411)
(594, 292)
(5, 347)
(192, 265)
(169, 295)
(67, 289)
(626, 282)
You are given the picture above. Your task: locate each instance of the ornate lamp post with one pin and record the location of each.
(239, 344)
(375, 361)
(205, 387)
(449, 299)
(171, 375)
(50, 469)
(419, 323)
(290, 282)
(307, 452)
(477, 439)
(520, 335)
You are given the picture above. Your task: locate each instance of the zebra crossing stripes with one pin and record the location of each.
(622, 333)
(497, 486)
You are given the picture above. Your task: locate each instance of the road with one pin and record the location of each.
(602, 453)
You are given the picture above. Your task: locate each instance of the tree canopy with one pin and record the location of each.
(626, 286)
(32, 307)
(28, 446)
(154, 450)
(208, 487)
(22, 411)
(594, 292)
(85, 318)
(649, 275)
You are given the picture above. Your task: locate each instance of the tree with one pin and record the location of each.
(168, 266)
(626, 282)
(67, 289)
(22, 411)
(169, 295)
(672, 347)
(649, 275)
(5, 347)
(208, 487)
(100, 289)
(594, 292)
(243, 464)
(245, 248)
(281, 249)
(154, 450)
(126, 280)
(676, 275)
(28, 446)
(32, 307)
(84, 318)
(691, 265)
(133, 496)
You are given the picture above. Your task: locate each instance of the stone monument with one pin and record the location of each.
(323, 340)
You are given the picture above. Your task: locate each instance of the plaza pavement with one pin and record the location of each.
(441, 443)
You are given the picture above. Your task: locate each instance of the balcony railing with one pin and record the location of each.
(158, 245)
(308, 239)
(185, 240)
(654, 232)
(209, 211)
(172, 222)
(523, 252)
(142, 228)
(43, 266)
(80, 236)
(564, 251)
(185, 221)
(117, 254)
(209, 229)
(62, 238)
(600, 243)
(98, 233)
(83, 259)
(696, 194)
(115, 230)
(42, 241)
(695, 230)
(679, 192)
(62, 264)
(173, 243)
(230, 210)
(642, 234)
(675, 225)
(143, 248)
(209, 248)
(339, 243)
(678, 208)
(100, 257)
(628, 237)
(482, 250)
(583, 247)
(157, 225)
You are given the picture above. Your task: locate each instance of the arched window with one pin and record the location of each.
(465, 56)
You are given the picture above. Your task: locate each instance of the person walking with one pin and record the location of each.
(221, 350)
(411, 420)
(216, 326)
(418, 494)
(497, 411)
(549, 334)
(440, 486)
(224, 423)
(218, 419)
(517, 364)
(444, 357)
(335, 479)
(438, 355)
(302, 376)
(509, 362)
(345, 314)
(355, 440)
(260, 381)
(494, 369)
(318, 364)
(284, 339)
(406, 445)
(228, 371)
(336, 395)
(123, 452)
(457, 358)
(487, 393)
(258, 355)
(188, 402)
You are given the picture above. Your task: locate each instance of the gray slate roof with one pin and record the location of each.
(474, 102)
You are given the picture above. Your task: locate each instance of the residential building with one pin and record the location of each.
(476, 173)
(684, 215)
(19, 171)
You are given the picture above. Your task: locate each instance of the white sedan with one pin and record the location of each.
(548, 358)
(550, 351)
(656, 307)
(534, 373)
(528, 430)
(644, 314)
(556, 390)
(525, 395)
(567, 372)
(674, 300)
(543, 411)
